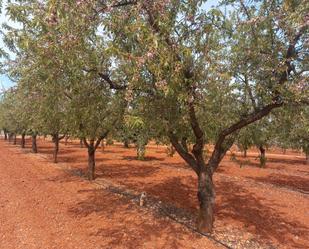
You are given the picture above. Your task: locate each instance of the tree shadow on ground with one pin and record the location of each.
(262, 219)
(258, 215)
(288, 181)
(125, 170)
(70, 175)
(123, 224)
(175, 190)
(173, 165)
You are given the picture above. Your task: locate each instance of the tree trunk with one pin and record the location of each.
(66, 140)
(141, 150)
(184, 144)
(245, 153)
(15, 139)
(206, 197)
(34, 145)
(262, 156)
(10, 137)
(307, 157)
(91, 162)
(56, 148)
(5, 135)
(102, 145)
(23, 140)
(81, 143)
(126, 143)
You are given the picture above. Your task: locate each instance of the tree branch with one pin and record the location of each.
(183, 153)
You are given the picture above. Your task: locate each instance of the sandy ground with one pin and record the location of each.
(45, 206)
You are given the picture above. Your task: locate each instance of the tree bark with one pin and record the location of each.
(262, 156)
(245, 153)
(91, 161)
(206, 197)
(184, 144)
(81, 144)
(5, 135)
(15, 139)
(23, 140)
(34, 144)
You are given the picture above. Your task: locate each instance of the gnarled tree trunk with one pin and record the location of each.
(34, 146)
(206, 197)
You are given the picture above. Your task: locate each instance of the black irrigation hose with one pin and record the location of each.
(116, 190)
(195, 230)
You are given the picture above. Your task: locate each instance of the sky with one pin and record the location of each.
(5, 82)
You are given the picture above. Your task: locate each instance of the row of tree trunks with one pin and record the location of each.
(13, 138)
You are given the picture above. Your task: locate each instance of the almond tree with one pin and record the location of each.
(182, 60)
(293, 129)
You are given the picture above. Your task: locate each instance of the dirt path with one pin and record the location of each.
(41, 206)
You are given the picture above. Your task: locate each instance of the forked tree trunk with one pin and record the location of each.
(23, 140)
(15, 139)
(262, 156)
(34, 146)
(206, 197)
(91, 162)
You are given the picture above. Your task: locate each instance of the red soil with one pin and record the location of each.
(43, 206)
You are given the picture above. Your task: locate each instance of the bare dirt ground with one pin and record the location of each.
(47, 206)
